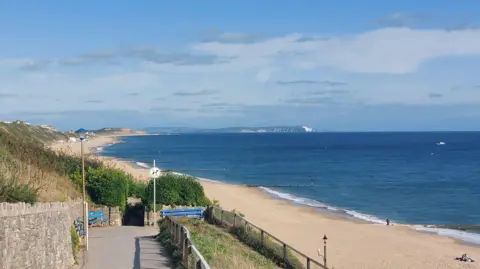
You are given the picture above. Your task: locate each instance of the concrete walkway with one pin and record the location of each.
(125, 247)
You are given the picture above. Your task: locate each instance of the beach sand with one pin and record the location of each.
(351, 244)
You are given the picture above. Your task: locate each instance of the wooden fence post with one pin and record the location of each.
(221, 217)
(185, 250)
(234, 220)
(308, 263)
(198, 265)
(285, 253)
(262, 237)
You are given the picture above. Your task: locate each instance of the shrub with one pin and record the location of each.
(12, 192)
(107, 186)
(136, 189)
(175, 190)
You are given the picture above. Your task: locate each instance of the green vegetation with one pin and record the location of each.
(30, 172)
(268, 247)
(75, 242)
(176, 190)
(13, 192)
(165, 239)
(222, 250)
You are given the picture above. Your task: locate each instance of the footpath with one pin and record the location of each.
(125, 247)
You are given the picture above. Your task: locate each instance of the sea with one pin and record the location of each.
(424, 178)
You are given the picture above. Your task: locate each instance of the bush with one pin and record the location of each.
(136, 189)
(12, 192)
(107, 186)
(176, 190)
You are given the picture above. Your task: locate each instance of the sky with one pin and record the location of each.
(331, 65)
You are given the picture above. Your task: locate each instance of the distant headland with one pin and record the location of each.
(269, 129)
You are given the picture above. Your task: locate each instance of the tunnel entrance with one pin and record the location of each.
(134, 215)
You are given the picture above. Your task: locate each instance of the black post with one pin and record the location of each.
(325, 250)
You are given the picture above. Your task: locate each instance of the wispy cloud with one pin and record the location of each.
(95, 101)
(311, 38)
(317, 82)
(230, 37)
(332, 91)
(163, 57)
(195, 93)
(311, 101)
(133, 94)
(7, 95)
(402, 19)
(219, 104)
(34, 65)
(117, 57)
(435, 95)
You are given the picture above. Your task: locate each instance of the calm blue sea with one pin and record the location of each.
(406, 177)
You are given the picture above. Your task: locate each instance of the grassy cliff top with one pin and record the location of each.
(28, 170)
(24, 131)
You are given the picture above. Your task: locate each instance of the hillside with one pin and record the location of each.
(29, 171)
(270, 129)
(116, 131)
(24, 130)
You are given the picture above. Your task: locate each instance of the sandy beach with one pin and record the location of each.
(93, 143)
(351, 244)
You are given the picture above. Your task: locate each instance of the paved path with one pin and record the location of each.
(125, 247)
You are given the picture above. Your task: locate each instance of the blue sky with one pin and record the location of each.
(333, 65)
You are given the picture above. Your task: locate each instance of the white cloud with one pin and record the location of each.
(389, 50)
(378, 67)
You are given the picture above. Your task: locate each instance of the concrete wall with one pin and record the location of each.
(37, 236)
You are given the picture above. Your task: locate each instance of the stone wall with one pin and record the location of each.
(112, 213)
(37, 236)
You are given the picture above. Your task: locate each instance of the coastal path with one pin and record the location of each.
(125, 247)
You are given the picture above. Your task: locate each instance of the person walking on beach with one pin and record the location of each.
(388, 222)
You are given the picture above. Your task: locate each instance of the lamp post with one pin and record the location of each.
(154, 197)
(81, 133)
(325, 250)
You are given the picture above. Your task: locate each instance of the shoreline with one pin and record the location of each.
(352, 243)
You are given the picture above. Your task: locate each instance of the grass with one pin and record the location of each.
(268, 247)
(29, 171)
(222, 250)
(165, 239)
(75, 243)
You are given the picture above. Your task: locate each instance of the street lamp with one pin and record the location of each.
(324, 251)
(81, 133)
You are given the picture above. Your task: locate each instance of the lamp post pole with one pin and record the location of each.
(85, 206)
(154, 198)
(325, 250)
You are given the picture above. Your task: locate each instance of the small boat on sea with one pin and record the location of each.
(441, 143)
